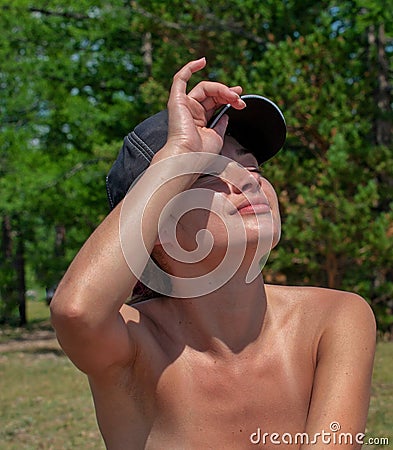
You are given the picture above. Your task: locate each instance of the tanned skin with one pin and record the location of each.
(207, 372)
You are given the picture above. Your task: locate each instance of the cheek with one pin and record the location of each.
(193, 222)
(276, 223)
(277, 231)
(270, 193)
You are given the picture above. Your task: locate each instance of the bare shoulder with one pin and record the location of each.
(326, 300)
(327, 308)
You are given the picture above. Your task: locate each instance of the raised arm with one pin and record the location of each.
(87, 310)
(342, 382)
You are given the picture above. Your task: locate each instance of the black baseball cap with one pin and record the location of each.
(260, 128)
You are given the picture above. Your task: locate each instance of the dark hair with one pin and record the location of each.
(141, 292)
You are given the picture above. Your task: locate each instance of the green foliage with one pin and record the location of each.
(77, 76)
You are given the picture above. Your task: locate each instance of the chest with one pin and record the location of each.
(227, 402)
(193, 402)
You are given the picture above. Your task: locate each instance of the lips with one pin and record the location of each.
(257, 206)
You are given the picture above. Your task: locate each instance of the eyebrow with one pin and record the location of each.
(242, 151)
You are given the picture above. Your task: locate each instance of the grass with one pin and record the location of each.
(380, 419)
(45, 402)
(37, 317)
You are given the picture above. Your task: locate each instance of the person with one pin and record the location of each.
(237, 363)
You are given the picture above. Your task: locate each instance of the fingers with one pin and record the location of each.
(237, 89)
(181, 78)
(212, 95)
(203, 100)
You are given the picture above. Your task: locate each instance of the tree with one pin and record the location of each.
(337, 207)
(65, 103)
(76, 78)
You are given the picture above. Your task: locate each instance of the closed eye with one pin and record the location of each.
(255, 170)
(216, 174)
(210, 174)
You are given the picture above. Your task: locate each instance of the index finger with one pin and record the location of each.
(181, 78)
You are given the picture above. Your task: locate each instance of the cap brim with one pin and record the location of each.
(260, 127)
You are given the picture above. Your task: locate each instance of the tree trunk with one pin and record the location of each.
(13, 282)
(383, 135)
(331, 270)
(383, 124)
(6, 238)
(21, 279)
(7, 281)
(147, 52)
(60, 240)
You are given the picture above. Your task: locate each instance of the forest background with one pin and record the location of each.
(77, 76)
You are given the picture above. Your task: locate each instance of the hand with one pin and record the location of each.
(189, 114)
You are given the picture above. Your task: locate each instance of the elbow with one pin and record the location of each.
(66, 309)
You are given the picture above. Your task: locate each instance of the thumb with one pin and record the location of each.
(221, 126)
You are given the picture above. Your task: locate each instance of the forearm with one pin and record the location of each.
(99, 279)
(87, 308)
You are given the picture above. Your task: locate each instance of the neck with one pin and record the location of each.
(225, 321)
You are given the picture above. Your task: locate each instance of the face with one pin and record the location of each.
(238, 201)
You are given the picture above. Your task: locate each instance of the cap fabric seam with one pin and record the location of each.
(112, 203)
(143, 148)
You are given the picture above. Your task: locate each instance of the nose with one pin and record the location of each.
(245, 181)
